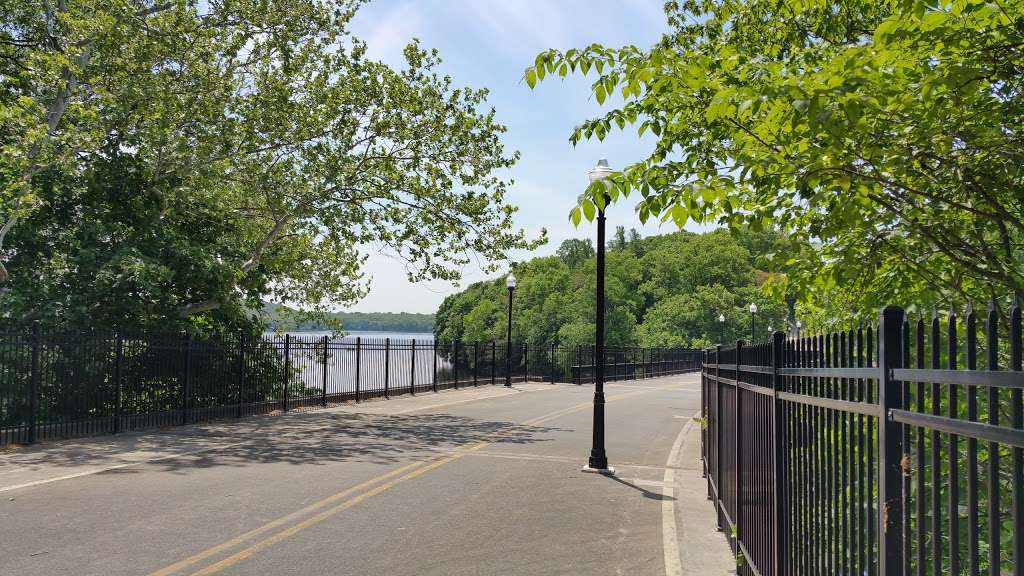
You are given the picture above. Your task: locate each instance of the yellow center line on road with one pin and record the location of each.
(226, 545)
(410, 471)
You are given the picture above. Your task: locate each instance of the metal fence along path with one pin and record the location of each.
(886, 450)
(65, 385)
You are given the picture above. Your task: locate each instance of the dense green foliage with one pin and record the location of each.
(663, 290)
(168, 166)
(884, 133)
(283, 319)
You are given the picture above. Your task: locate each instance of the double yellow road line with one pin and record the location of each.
(301, 519)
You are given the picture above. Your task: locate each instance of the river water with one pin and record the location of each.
(381, 357)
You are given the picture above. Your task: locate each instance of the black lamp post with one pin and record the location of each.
(753, 311)
(598, 461)
(721, 328)
(510, 281)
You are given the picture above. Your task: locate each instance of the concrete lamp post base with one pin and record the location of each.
(609, 471)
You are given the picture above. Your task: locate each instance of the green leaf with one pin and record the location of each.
(589, 210)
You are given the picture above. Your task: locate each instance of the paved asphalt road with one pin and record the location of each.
(469, 482)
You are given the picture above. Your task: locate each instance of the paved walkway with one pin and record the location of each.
(469, 482)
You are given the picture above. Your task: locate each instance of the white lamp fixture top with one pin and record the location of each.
(599, 172)
(753, 308)
(510, 281)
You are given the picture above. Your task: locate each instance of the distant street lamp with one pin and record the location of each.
(510, 281)
(598, 458)
(721, 328)
(770, 329)
(799, 325)
(753, 311)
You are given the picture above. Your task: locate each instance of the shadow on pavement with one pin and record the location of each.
(645, 492)
(304, 439)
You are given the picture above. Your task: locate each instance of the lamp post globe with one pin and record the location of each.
(753, 312)
(799, 325)
(599, 172)
(598, 461)
(721, 328)
(510, 282)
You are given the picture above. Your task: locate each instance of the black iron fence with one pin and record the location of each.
(888, 450)
(66, 385)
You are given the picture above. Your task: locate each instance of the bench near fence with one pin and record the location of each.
(840, 454)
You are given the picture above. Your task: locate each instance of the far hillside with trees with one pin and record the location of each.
(284, 319)
(663, 290)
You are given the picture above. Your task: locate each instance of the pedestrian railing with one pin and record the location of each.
(65, 385)
(870, 451)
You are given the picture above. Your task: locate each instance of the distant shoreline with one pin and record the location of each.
(353, 334)
(283, 319)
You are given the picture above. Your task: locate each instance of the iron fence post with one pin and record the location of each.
(35, 382)
(287, 369)
(719, 500)
(387, 367)
(359, 347)
(455, 363)
(494, 361)
(704, 416)
(890, 446)
(186, 380)
(433, 383)
(579, 365)
(552, 363)
(323, 391)
(779, 454)
(476, 350)
(412, 370)
(118, 357)
(241, 373)
(737, 415)
(526, 362)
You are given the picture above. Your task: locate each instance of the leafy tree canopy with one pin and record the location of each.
(884, 134)
(173, 164)
(575, 251)
(666, 290)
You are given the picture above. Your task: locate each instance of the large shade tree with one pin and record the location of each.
(886, 134)
(175, 163)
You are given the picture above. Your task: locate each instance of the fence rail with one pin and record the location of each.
(65, 385)
(870, 451)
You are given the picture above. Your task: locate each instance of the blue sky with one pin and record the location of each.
(488, 43)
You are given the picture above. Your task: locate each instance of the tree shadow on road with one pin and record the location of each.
(311, 438)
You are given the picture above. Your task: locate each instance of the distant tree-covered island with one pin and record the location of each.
(283, 319)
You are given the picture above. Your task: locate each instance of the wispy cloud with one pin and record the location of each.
(526, 26)
(386, 32)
